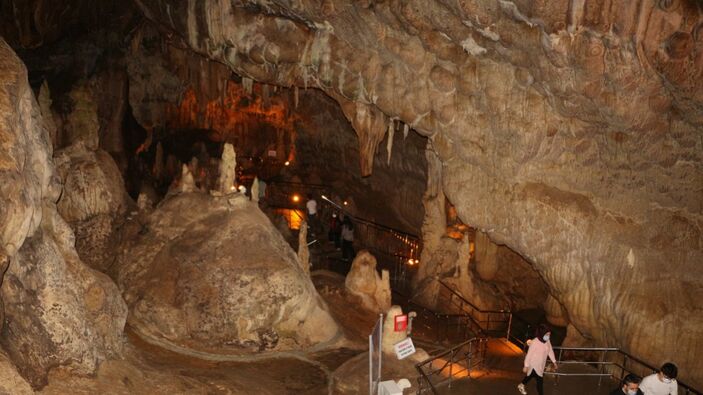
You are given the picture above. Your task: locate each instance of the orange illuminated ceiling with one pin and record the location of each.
(236, 111)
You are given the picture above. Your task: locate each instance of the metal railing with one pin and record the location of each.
(441, 327)
(394, 249)
(453, 364)
(495, 323)
(375, 355)
(607, 362)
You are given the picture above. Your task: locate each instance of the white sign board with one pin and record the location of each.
(404, 348)
(272, 153)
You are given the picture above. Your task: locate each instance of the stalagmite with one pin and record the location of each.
(255, 190)
(228, 170)
(389, 144)
(186, 183)
(364, 282)
(303, 250)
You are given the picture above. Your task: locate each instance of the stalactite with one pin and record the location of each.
(295, 97)
(406, 129)
(248, 85)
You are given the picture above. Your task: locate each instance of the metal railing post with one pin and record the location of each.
(510, 325)
(602, 361)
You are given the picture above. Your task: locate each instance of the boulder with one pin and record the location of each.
(363, 281)
(213, 274)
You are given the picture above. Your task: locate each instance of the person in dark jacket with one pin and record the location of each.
(630, 386)
(347, 239)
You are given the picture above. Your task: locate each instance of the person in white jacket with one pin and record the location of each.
(536, 359)
(662, 382)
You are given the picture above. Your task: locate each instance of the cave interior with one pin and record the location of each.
(541, 159)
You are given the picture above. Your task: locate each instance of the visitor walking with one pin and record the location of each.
(335, 231)
(347, 239)
(311, 206)
(663, 382)
(630, 386)
(536, 359)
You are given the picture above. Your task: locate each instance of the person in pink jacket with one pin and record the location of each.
(536, 359)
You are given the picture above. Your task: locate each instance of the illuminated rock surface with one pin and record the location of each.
(58, 311)
(213, 274)
(572, 134)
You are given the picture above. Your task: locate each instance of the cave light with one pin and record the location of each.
(295, 198)
(287, 163)
(346, 203)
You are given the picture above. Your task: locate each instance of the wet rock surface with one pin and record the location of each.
(570, 134)
(213, 274)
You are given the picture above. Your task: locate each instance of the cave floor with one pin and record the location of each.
(149, 369)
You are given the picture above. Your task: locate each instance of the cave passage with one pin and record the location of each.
(250, 196)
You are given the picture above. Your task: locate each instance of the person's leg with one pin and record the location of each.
(521, 386)
(540, 384)
(345, 249)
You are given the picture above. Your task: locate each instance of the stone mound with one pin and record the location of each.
(213, 274)
(364, 282)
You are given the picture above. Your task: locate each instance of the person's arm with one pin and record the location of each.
(529, 352)
(675, 389)
(551, 355)
(644, 385)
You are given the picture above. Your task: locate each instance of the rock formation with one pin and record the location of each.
(569, 133)
(58, 311)
(390, 336)
(228, 170)
(303, 250)
(94, 200)
(363, 281)
(213, 274)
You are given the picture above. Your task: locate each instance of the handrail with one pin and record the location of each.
(602, 363)
(444, 320)
(346, 212)
(466, 360)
